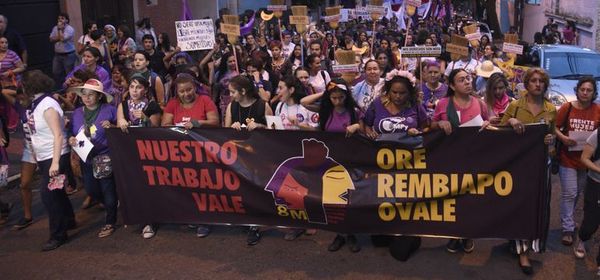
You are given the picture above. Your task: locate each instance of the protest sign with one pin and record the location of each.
(195, 35)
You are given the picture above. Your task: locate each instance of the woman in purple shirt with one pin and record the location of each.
(91, 60)
(92, 119)
(397, 109)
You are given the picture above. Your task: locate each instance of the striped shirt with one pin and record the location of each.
(9, 62)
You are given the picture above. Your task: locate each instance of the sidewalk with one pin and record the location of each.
(15, 151)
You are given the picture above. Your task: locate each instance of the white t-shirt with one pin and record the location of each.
(469, 66)
(317, 81)
(42, 138)
(287, 50)
(297, 111)
(85, 39)
(593, 141)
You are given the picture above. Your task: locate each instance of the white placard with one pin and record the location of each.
(476, 121)
(345, 68)
(414, 3)
(83, 146)
(512, 48)
(580, 137)
(274, 122)
(473, 36)
(344, 13)
(360, 11)
(422, 51)
(334, 18)
(277, 8)
(372, 9)
(195, 35)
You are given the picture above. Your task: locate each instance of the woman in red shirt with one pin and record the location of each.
(190, 109)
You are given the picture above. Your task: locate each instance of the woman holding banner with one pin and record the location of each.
(459, 107)
(532, 108)
(246, 110)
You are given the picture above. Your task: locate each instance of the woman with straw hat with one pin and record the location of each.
(92, 119)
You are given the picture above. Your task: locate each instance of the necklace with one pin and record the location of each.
(248, 119)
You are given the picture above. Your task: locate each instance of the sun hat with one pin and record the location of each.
(486, 69)
(95, 85)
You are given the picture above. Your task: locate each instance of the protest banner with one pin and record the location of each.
(195, 35)
(349, 68)
(451, 185)
(230, 29)
(421, 51)
(299, 20)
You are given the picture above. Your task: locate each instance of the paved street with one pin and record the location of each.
(175, 252)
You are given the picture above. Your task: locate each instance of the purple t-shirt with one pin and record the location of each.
(380, 119)
(98, 138)
(439, 93)
(338, 121)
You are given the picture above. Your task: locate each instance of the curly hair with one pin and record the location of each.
(385, 90)
(532, 71)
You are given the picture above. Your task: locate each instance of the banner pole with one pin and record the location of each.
(235, 58)
(280, 32)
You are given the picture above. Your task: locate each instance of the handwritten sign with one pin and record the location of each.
(299, 20)
(372, 9)
(414, 3)
(421, 51)
(473, 36)
(277, 8)
(230, 29)
(334, 18)
(345, 68)
(361, 12)
(195, 35)
(457, 49)
(512, 48)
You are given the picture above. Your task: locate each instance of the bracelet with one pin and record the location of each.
(196, 123)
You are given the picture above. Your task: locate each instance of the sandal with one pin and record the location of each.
(107, 230)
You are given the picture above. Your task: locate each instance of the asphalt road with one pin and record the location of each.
(176, 253)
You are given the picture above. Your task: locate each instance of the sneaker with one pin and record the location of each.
(22, 223)
(311, 231)
(148, 232)
(337, 243)
(353, 244)
(253, 236)
(468, 245)
(107, 230)
(293, 234)
(202, 231)
(567, 238)
(453, 245)
(579, 250)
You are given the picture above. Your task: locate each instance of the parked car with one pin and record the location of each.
(565, 64)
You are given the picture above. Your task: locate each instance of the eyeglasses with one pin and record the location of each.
(468, 79)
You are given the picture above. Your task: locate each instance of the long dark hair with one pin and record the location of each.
(242, 82)
(326, 108)
(222, 69)
(414, 97)
(166, 42)
(451, 80)
(293, 57)
(293, 82)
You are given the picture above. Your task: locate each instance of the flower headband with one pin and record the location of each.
(390, 75)
(332, 85)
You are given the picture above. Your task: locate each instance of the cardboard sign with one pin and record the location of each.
(277, 8)
(457, 49)
(195, 35)
(414, 3)
(512, 48)
(423, 51)
(299, 20)
(230, 29)
(345, 68)
(334, 18)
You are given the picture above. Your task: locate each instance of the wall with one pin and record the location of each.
(585, 12)
(162, 15)
(534, 20)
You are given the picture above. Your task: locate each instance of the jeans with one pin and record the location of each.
(56, 202)
(591, 212)
(572, 182)
(102, 190)
(62, 65)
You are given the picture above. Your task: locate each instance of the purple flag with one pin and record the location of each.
(247, 29)
(186, 13)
